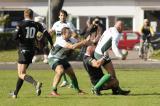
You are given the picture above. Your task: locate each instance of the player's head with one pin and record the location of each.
(146, 22)
(28, 13)
(66, 32)
(119, 25)
(63, 15)
(96, 20)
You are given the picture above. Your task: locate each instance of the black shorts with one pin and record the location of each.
(25, 56)
(53, 62)
(95, 74)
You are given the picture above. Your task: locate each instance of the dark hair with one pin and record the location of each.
(64, 12)
(96, 17)
(98, 21)
(64, 30)
(28, 13)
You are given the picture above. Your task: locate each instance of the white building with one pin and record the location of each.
(131, 11)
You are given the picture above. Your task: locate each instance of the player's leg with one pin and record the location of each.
(66, 65)
(19, 84)
(22, 74)
(69, 71)
(18, 87)
(110, 69)
(111, 84)
(96, 89)
(46, 52)
(36, 58)
(140, 52)
(45, 60)
(97, 77)
(114, 81)
(65, 81)
(59, 70)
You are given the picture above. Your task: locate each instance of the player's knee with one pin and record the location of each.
(59, 69)
(20, 75)
(59, 72)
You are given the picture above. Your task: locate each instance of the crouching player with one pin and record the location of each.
(58, 59)
(109, 39)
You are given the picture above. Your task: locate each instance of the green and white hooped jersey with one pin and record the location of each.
(109, 38)
(57, 27)
(59, 51)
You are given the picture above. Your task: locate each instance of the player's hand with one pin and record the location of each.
(95, 63)
(100, 62)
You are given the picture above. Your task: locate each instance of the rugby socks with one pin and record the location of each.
(102, 81)
(64, 77)
(18, 85)
(75, 84)
(30, 79)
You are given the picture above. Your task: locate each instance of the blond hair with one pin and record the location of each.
(28, 13)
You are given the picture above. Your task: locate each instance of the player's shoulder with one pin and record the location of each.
(27, 22)
(38, 24)
(114, 30)
(57, 22)
(69, 23)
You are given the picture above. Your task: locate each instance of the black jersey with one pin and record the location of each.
(26, 33)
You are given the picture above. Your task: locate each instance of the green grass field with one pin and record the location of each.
(8, 56)
(144, 86)
(11, 55)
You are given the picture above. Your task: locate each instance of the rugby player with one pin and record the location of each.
(56, 28)
(110, 39)
(58, 60)
(25, 34)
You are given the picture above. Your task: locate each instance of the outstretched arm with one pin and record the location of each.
(48, 37)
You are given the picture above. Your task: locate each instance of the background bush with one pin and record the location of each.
(6, 41)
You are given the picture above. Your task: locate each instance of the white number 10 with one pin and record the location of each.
(30, 32)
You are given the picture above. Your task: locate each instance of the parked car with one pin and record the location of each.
(128, 40)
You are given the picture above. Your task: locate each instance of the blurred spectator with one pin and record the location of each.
(146, 32)
(42, 50)
(95, 29)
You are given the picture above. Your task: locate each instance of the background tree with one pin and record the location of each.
(56, 6)
(4, 19)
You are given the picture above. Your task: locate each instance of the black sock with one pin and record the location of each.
(30, 79)
(18, 85)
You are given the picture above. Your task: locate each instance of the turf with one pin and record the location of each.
(8, 56)
(144, 86)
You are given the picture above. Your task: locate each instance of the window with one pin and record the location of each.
(121, 38)
(128, 22)
(131, 36)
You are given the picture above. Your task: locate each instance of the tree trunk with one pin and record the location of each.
(56, 6)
